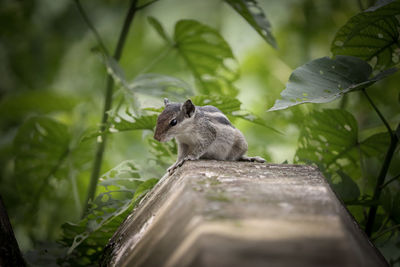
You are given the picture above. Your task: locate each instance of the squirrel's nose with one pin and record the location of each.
(157, 136)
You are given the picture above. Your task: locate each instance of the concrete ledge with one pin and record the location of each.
(215, 213)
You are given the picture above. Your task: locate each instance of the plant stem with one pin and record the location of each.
(391, 180)
(107, 106)
(381, 179)
(378, 112)
(91, 27)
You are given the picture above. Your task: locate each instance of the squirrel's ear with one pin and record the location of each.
(166, 101)
(188, 108)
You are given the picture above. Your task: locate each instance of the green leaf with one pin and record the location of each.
(323, 80)
(255, 16)
(126, 121)
(41, 146)
(129, 123)
(375, 145)
(120, 187)
(164, 152)
(208, 56)
(226, 104)
(159, 29)
(371, 35)
(347, 189)
(327, 136)
(329, 139)
(160, 85)
(231, 107)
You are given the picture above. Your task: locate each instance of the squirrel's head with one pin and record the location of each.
(173, 120)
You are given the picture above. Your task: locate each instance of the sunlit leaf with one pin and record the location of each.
(329, 139)
(371, 35)
(121, 187)
(255, 16)
(208, 56)
(327, 136)
(323, 80)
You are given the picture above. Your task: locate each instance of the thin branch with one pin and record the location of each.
(381, 179)
(390, 181)
(91, 27)
(107, 106)
(394, 227)
(378, 112)
(146, 5)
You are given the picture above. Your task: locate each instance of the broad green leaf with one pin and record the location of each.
(231, 107)
(323, 80)
(160, 85)
(371, 35)
(159, 28)
(255, 16)
(208, 56)
(121, 187)
(375, 145)
(347, 189)
(329, 138)
(41, 147)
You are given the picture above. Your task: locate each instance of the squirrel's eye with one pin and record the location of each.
(173, 122)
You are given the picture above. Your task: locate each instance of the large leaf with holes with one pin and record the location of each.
(255, 16)
(231, 107)
(208, 56)
(329, 138)
(119, 188)
(41, 147)
(323, 80)
(371, 35)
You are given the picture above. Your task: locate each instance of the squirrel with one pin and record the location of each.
(201, 132)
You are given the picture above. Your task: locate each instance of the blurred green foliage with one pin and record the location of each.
(52, 82)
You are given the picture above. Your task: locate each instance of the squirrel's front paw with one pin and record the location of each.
(179, 163)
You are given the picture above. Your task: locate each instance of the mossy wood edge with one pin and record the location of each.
(215, 213)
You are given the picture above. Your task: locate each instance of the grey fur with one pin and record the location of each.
(201, 133)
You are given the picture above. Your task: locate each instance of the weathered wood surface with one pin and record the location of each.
(213, 213)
